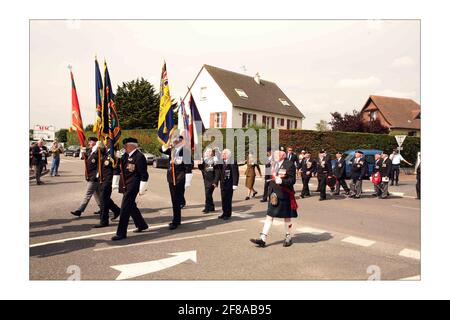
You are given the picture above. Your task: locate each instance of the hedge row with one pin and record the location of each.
(298, 139)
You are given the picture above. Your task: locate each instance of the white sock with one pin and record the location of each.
(288, 228)
(266, 229)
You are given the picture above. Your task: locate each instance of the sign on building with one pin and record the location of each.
(46, 133)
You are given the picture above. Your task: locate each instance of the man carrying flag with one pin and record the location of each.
(179, 173)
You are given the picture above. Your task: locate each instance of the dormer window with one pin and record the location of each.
(241, 93)
(284, 102)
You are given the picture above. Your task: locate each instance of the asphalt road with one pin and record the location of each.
(338, 239)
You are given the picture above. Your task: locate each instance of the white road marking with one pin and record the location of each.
(415, 278)
(359, 241)
(111, 233)
(403, 207)
(312, 230)
(170, 240)
(408, 253)
(133, 270)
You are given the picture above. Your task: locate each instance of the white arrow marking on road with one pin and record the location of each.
(134, 270)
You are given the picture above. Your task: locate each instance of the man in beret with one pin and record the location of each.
(132, 181)
(91, 170)
(324, 171)
(359, 171)
(340, 173)
(385, 171)
(307, 168)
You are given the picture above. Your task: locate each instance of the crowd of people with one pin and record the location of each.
(128, 174)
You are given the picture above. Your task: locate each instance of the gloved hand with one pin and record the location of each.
(115, 182)
(188, 180)
(235, 187)
(117, 154)
(278, 180)
(143, 187)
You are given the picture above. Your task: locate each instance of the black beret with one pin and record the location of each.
(323, 151)
(339, 152)
(129, 140)
(93, 139)
(360, 152)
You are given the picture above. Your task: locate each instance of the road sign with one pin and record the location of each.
(134, 270)
(400, 139)
(46, 133)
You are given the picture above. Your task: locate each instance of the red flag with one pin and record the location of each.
(77, 122)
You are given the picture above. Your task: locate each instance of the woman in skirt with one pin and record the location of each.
(282, 203)
(250, 175)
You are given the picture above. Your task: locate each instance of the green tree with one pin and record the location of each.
(322, 125)
(137, 105)
(61, 135)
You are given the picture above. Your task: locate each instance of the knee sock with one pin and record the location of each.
(266, 228)
(288, 228)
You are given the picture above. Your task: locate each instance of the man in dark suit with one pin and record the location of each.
(385, 171)
(340, 173)
(267, 174)
(210, 172)
(91, 161)
(39, 153)
(376, 170)
(324, 172)
(179, 175)
(229, 180)
(292, 157)
(359, 171)
(133, 181)
(307, 168)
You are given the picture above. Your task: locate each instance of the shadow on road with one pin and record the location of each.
(306, 238)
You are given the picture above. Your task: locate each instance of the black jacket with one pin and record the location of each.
(359, 169)
(294, 159)
(92, 166)
(288, 180)
(324, 167)
(228, 176)
(386, 167)
(133, 170)
(107, 169)
(340, 168)
(181, 168)
(37, 156)
(210, 172)
(308, 165)
(377, 166)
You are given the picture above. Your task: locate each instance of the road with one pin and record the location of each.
(338, 239)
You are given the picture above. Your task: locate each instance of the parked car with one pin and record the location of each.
(148, 156)
(72, 151)
(161, 162)
(349, 155)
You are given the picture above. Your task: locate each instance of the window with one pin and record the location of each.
(203, 93)
(373, 115)
(241, 93)
(268, 122)
(218, 120)
(291, 124)
(284, 102)
(248, 119)
(280, 122)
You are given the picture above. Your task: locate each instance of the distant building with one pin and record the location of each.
(401, 116)
(227, 99)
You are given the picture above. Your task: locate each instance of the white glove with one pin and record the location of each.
(188, 180)
(83, 150)
(117, 154)
(115, 182)
(278, 180)
(143, 187)
(235, 187)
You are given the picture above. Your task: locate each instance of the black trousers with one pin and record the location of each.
(177, 197)
(129, 208)
(322, 186)
(341, 183)
(418, 187)
(227, 199)
(395, 173)
(266, 187)
(209, 201)
(305, 190)
(106, 203)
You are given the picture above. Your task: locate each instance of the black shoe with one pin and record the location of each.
(254, 195)
(356, 197)
(173, 226)
(287, 242)
(302, 196)
(247, 198)
(139, 230)
(258, 242)
(101, 225)
(118, 238)
(205, 211)
(76, 213)
(322, 199)
(374, 195)
(263, 200)
(220, 217)
(97, 212)
(226, 218)
(347, 193)
(182, 205)
(116, 215)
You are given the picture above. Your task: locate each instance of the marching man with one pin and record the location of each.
(282, 203)
(132, 181)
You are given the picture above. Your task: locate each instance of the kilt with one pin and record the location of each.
(283, 209)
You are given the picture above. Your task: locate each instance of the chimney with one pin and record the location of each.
(257, 78)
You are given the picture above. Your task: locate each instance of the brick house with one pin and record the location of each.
(401, 116)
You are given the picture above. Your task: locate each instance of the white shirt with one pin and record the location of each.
(131, 153)
(396, 159)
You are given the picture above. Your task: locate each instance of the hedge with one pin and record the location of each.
(299, 139)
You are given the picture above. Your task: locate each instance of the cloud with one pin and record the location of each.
(396, 94)
(403, 62)
(369, 82)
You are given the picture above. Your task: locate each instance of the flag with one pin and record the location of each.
(110, 120)
(98, 100)
(196, 126)
(183, 119)
(166, 124)
(77, 122)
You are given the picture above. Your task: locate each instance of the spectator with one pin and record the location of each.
(250, 174)
(396, 159)
(56, 151)
(39, 156)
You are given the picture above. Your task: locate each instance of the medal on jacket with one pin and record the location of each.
(93, 160)
(282, 173)
(106, 162)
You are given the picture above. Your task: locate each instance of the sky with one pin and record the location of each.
(321, 65)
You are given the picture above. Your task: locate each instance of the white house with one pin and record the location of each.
(227, 99)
